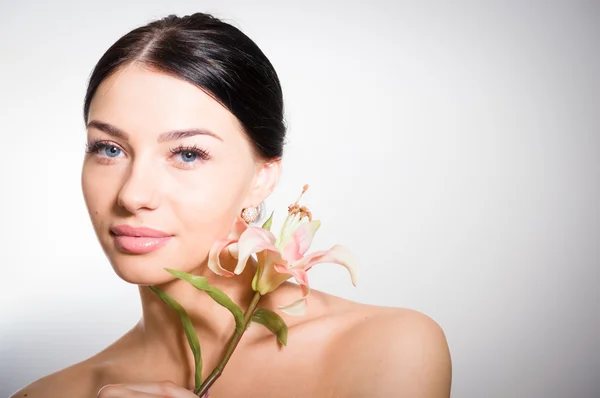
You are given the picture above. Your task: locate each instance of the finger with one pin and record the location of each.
(162, 388)
(120, 391)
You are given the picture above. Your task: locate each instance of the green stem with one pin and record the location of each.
(235, 339)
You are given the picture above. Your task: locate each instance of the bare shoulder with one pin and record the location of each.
(75, 381)
(393, 352)
(82, 379)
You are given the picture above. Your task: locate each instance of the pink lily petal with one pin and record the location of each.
(298, 273)
(298, 306)
(268, 278)
(233, 249)
(253, 240)
(239, 226)
(214, 262)
(214, 257)
(337, 255)
(300, 241)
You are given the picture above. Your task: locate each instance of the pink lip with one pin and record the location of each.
(139, 240)
(128, 230)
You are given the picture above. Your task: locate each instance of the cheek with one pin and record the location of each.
(99, 190)
(207, 207)
(211, 210)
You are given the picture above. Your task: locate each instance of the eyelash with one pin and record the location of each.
(95, 145)
(202, 154)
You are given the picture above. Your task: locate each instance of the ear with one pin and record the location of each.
(265, 181)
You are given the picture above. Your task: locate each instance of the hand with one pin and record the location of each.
(145, 390)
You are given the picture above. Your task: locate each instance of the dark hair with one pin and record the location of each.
(215, 56)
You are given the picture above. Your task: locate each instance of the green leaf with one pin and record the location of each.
(273, 322)
(188, 328)
(201, 283)
(269, 222)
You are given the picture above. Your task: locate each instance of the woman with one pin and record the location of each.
(185, 133)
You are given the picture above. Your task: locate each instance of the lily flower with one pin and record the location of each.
(280, 257)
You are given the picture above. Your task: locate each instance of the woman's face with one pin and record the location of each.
(162, 154)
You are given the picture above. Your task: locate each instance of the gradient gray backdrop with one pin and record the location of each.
(454, 146)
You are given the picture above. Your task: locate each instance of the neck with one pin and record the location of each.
(161, 329)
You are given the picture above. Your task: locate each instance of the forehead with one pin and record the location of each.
(138, 100)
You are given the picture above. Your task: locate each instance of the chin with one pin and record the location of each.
(147, 269)
(140, 271)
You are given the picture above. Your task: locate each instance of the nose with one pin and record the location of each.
(140, 189)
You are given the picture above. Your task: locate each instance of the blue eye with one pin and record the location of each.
(111, 151)
(104, 149)
(188, 156)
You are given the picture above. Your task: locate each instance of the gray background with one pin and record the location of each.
(453, 146)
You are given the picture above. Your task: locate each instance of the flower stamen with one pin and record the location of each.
(294, 218)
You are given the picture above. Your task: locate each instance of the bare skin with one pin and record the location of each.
(333, 351)
(338, 349)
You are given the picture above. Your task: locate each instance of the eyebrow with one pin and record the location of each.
(164, 137)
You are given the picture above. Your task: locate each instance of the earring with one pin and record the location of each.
(250, 214)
